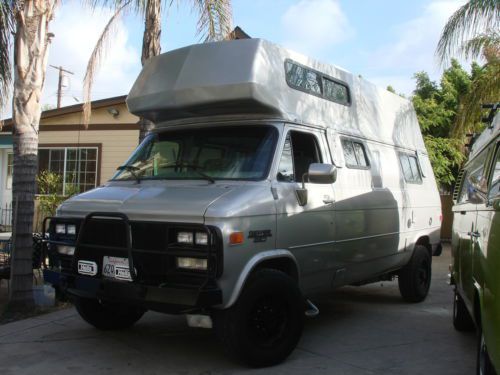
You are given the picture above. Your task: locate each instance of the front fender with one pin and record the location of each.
(251, 265)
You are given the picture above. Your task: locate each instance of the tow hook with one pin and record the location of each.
(311, 311)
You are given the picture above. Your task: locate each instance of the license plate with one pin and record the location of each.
(116, 268)
(86, 267)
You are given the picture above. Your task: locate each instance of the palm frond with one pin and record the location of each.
(95, 61)
(481, 44)
(6, 29)
(215, 18)
(485, 89)
(137, 6)
(467, 22)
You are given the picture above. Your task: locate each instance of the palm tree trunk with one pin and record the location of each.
(150, 47)
(31, 43)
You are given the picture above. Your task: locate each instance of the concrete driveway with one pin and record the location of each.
(365, 330)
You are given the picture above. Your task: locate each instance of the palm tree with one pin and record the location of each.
(28, 21)
(214, 23)
(472, 32)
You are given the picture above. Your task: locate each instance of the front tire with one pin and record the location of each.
(107, 316)
(462, 321)
(414, 279)
(264, 326)
(484, 365)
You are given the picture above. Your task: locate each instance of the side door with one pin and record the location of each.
(487, 257)
(472, 193)
(305, 230)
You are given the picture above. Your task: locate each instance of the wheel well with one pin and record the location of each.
(283, 264)
(425, 241)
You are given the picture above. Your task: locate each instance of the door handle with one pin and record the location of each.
(328, 201)
(474, 234)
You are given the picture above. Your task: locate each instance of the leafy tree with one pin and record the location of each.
(214, 23)
(473, 32)
(26, 23)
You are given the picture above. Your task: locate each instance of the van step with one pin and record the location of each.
(311, 311)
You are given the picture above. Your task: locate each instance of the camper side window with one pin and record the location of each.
(355, 154)
(411, 171)
(495, 177)
(299, 151)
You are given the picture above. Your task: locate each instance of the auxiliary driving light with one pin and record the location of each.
(192, 263)
(65, 250)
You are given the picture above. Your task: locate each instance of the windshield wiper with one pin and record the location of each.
(192, 166)
(132, 169)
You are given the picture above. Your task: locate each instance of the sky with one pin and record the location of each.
(385, 41)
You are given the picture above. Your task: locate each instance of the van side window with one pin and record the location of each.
(354, 154)
(409, 166)
(495, 177)
(300, 150)
(475, 185)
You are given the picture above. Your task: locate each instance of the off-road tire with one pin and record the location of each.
(414, 279)
(107, 316)
(462, 321)
(483, 363)
(265, 324)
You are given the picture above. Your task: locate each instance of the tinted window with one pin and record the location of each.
(354, 154)
(300, 151)
(410, 168)
(335, 91)
(494, 190)
(475, 185)
(316, 83)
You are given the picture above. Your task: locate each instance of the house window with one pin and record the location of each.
(76, 166)
(10, 170)
(411, 171)
(355, 154)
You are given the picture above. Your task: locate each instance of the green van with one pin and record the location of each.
(475, 271)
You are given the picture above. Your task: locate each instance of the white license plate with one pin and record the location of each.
(86, 267)
(116, 268)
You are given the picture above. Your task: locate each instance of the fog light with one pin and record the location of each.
(71, 229)
(185, 237)
(192, 263)
(65, 250)
(201, 238)
(61, 228)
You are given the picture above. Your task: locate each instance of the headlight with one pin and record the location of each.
(65, 250)
(201, 238)
(185, 237)
(71, 229)
(61, 228)
(192, 263)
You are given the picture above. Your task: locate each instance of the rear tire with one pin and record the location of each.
(484, 365)
(264, 326)
(462, 320)
(107, 316)
(414, 279)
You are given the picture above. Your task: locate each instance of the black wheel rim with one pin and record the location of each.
(423, 275)
(268, 321)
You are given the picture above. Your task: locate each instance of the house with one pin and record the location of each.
(83, 157)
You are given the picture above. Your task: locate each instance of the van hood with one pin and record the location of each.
(148, 201)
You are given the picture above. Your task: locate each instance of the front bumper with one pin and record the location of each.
(165, 299)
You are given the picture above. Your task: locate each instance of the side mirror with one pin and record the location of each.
(496, 204)
(320, 173)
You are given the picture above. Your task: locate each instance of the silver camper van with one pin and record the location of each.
(269, 177)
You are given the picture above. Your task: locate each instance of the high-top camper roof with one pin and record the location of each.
(249, 77)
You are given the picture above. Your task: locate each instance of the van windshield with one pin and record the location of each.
(226, 153)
